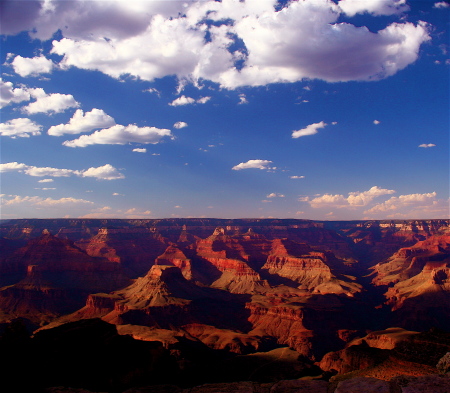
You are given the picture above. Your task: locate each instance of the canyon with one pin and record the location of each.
(221, 301)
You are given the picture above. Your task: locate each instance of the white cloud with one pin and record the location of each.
(117, 194)
(48, 171)
(297, 177)
(253, 164)
(9, 94)
(328, 200)
(426, 145)
(121, 135)
(308, 130)
(26, 66)
(20, 128)
(153, 90)
(62, 201)
(402, 201)
(203, 100)
(304, 41)
(183, 100)
(41, 202)
(45, 181)
(151, 39)
(242, 99)
(12, 167)
(140, 150)
(83, 122)
(180, 124)
(365, 197)
(376, 122)
(375, 7)
(441, 4)
(105, 172)
(49, 103)
(274, 195)
(354, 199)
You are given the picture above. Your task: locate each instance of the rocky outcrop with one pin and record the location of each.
(385, 339)
(309, 324)
(134, 248)
(59, 278)
(165, 299)
(355, 357)
(223, 263)
(310, 270)
(174, 256)
(228, 340)
(419, 283)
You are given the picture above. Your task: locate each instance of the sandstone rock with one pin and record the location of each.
(443, 365)
(363, 384)
(353, 358)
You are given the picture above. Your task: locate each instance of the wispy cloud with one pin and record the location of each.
(105, 172)
(426, 145)
(308, 130)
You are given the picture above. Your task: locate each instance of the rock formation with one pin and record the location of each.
(226, 299)
(58, 279)
(418, 283)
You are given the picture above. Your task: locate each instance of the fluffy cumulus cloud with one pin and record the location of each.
(253, 164)
(354, 199)
(20, 128)
(308, 130)
(371, 204)
(375, 7)
(140, 150)
(83, 122)
(261, 44)
(9, 94)
(49, 103)
(26, 66)
(121, 135)
(405, 204)
(105, 172)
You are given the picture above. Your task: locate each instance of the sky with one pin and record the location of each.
(309, 109)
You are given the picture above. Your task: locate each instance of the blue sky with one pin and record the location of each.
(315, 109)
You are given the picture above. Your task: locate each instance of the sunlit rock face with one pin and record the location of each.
(209, 290)
(417, 283)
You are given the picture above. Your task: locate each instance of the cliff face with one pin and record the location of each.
(418, 283)
(134, 248)
(235, 286)
(59, 277)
